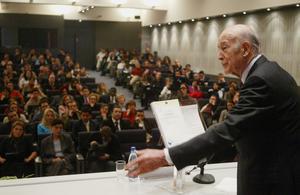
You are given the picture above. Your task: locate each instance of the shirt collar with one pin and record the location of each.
(247, 70)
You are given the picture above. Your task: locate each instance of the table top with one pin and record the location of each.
(157, 182)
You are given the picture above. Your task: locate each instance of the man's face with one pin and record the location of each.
(44, 106)
(230, 54)
(73, 106)
(86, 92)
(56, 129)
(140, 115)
(35, 94)
(117, 113)
(85, 117)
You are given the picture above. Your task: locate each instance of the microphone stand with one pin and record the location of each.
(203, 178)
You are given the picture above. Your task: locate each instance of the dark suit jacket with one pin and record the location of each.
(124, 124)
(149, 124)
(79, 126)
(67, 146)
(113, 148)
(265, 125)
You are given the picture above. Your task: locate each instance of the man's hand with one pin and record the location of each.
(148, 160)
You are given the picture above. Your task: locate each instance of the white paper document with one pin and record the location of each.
(176, 123)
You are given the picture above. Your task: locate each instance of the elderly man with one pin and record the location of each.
(264, 124)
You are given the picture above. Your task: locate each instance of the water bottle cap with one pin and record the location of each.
(132, 148)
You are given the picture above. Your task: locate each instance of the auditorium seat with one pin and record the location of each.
(131, 137)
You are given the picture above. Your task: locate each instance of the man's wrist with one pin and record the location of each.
(167, 156)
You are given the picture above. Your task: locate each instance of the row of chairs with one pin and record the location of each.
(127, 138)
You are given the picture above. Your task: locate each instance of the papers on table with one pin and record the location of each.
(176, 123)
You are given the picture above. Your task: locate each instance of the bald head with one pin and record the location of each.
(238, 45)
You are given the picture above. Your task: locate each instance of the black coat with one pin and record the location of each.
(79, 127)
(124, 124)
(265, 126)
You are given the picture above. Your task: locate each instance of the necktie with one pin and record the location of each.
(117, 126)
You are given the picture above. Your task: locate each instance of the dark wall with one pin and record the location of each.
(79, 39)
(118, 35)
(10, 24)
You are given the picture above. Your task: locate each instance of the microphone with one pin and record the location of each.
(204, 178)
(195, 167)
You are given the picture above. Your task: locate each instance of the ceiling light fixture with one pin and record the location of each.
(193, 20)
(150, 25)
(207, 18)
(92, 7)
(269, 9)
(297, 5)
(244, 13)
(159, 24)
(224, 15)
(80, 20)
(180, 22)
(169, 23)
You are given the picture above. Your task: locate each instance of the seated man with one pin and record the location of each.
(57, 151)
(6, 127)
(104, 150)
(115, 122)
(144, 123)
(84, 124)
(38, 115)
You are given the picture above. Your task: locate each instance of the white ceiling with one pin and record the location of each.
(139, 4)
(150, 11)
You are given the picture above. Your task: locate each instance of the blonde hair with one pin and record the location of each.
(44, 121)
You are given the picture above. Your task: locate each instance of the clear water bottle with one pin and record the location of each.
(132, 157)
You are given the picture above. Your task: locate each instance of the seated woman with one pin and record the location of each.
(130, 112)
(17, 153)
(58, 151)
(104, 150)
(45, 126)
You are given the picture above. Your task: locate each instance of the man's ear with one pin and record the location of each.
(246, 48)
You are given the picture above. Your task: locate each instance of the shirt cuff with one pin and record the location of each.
(167, 156)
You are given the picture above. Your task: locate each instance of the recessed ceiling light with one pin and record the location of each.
(83, 11)
(80, 20)
(92, 7)
(207, 18)
(159, 24)
(244, 13)
(150, 26)
(169, 23)
(180, 22)
(297, 5)
(269, 9)
(193, 20)
(224, 15)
